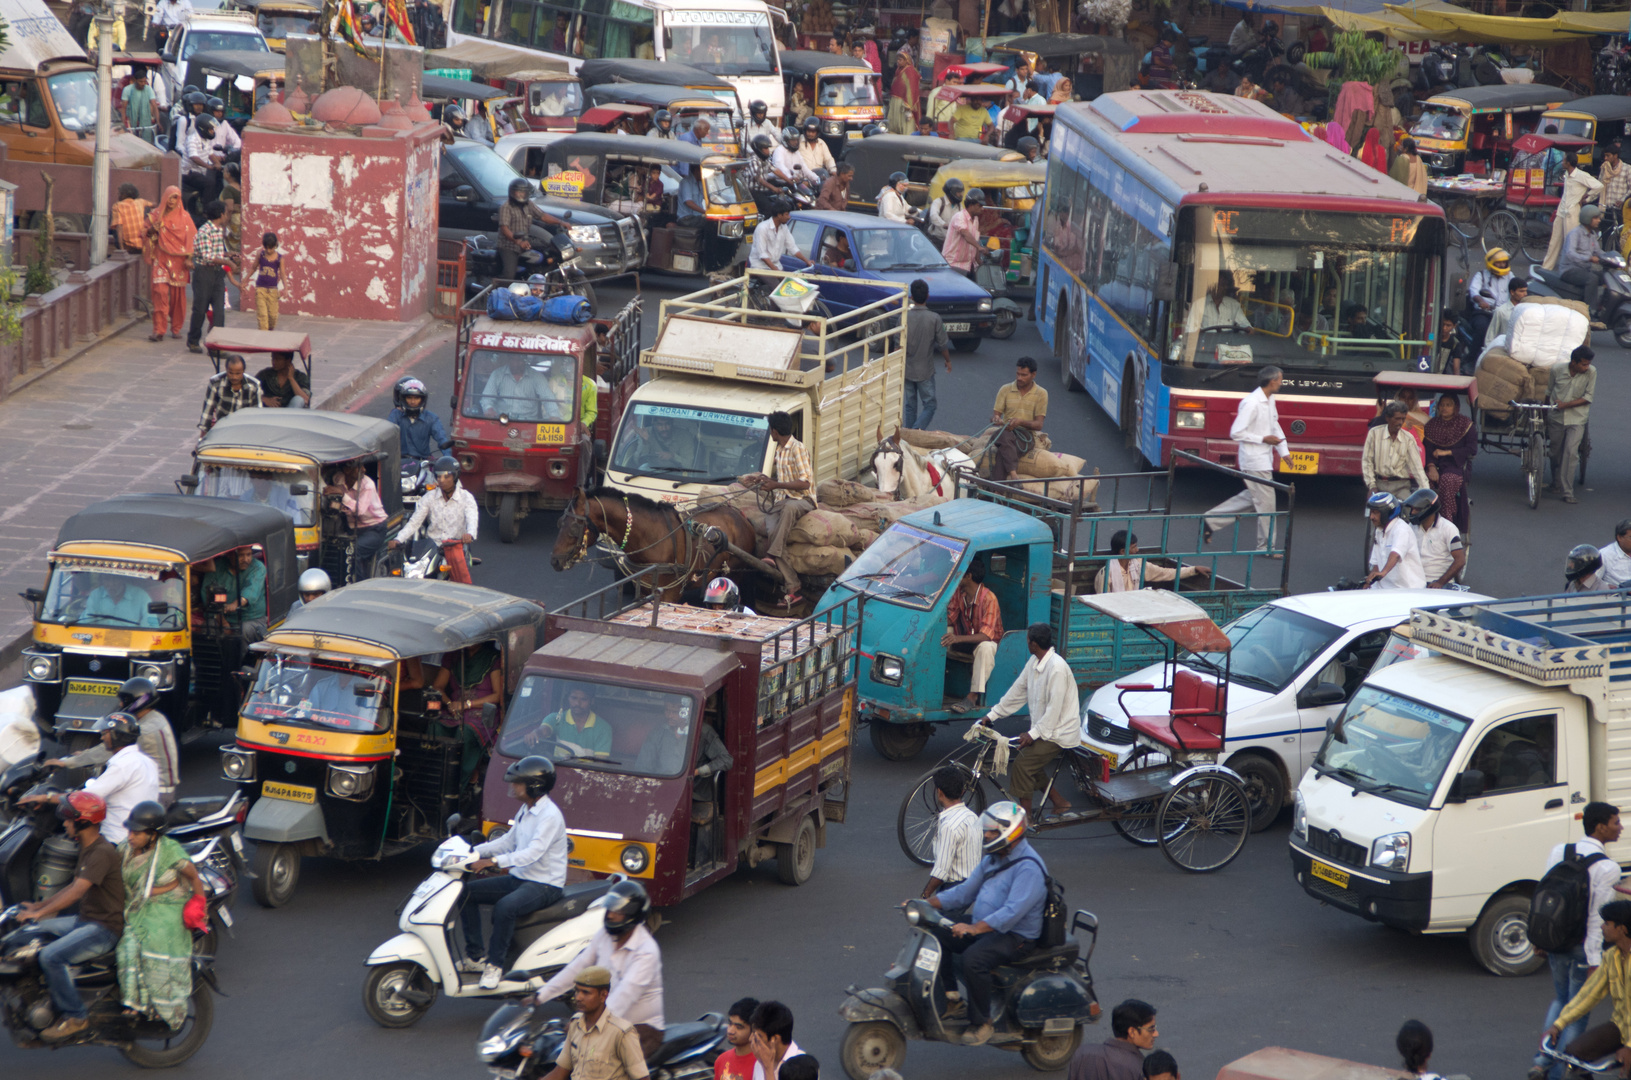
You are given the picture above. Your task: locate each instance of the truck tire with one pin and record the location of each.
(1500, 938)
(509, 517)
(795, 862)
(1265, 788)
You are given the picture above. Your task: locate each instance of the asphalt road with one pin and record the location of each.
(1234, 961)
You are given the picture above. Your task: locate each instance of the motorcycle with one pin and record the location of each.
(1611, 72)
(556, 261)
(1038, 1006)
(1614, 303)
(991, 274)
(422, 559)
(417, 479)
(519, 1043)
(407, 972)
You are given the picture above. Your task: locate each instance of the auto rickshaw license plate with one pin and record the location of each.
(108, 689)
(291, 792)
(957, 328)
(551, 433)
(1301, 461)
(1336, 877)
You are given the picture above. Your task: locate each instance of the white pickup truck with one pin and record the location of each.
(209, 31)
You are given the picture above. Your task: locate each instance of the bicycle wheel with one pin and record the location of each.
(920, 811)
(1462, 214)
(1138, 828)
(1537, 237)
(1502, 230)
(1534, 458)
(1204, 822)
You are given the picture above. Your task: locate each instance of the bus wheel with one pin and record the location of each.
(1061, 347)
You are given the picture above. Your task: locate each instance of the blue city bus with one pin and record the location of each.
(1191, 238)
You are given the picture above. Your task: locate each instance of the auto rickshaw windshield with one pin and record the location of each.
(847, 89)
(1391, 745)
(897, 249)
(721, 123)
(906, 565)
(599, 726)
(707, 446)
(277, 26)
(292, 690)
(1437, 122)
(522, 386)
(88, 594)
(725, 187)
(264, 486)
(1271, 645)
(555, 99)
(1579, 127)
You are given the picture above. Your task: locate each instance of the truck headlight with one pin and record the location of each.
(1391, 852)
(888, 670)
(1189, 419)
(43, 668)
(1299, 816)
(238, 764)
(161, 672)
(584, 234)
(350, 781)
(634, 858)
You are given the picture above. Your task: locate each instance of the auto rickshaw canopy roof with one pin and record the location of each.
(324, 437)
(489, 61)
(442, 88)
(1049, 46)
(651, 72)
(655, 151)
(1535, 142)
(1176, 618)
(191, 527)
(981, 173)
(540, 75)
(1483, 99)
(809, 63)
(405, 618)
(241, 340)
(655, 96)
(610, 114)
(1595, 107)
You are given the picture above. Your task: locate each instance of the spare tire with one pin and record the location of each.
(1295, 54)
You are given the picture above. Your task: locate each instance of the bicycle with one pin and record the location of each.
(1530, 433)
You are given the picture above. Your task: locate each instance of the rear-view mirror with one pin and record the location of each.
(299, 489)
(1467, 785)
(1318, 694)
(464, 193)
(1166, 286)
(33, 596)
(157, 607)
(187, 484)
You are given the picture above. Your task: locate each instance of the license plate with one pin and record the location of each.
(551, 433)
(957, 328)
(1301, 461)
(854, 133)
(1336, 877)
(104, 689)
(1111, 758)
(226, 916)
(291, 792)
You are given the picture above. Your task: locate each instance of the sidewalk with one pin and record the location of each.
(123, 417)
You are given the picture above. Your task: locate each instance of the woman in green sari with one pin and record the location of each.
(155, 955)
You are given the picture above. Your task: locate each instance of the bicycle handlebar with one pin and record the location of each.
(1600, 1068)
(1536, 405)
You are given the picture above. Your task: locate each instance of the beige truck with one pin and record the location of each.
(727, 357)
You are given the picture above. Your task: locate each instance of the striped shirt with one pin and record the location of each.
(1612, 979)
(980, 617)
(957, 844)
(792, 464)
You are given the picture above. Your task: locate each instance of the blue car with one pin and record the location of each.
(866, 248)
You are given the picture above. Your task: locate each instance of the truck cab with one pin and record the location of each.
(209, 31)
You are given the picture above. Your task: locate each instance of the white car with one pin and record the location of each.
(1294, 664)
(209, 31)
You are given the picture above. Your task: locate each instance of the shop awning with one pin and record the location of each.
(1446, 22)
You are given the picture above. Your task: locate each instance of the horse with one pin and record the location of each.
(646, 533)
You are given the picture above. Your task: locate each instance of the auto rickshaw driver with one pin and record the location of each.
(243, 583)
(120, 600)
(577, 727)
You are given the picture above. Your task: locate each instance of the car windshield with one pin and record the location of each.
(1390, 746)
(697, 446)
(281, 26)
(222, 41)
(292, 690)
(267, 487)
(1437, 122)
(598, 726)
(852, 89)
(74, 94)
(90, 594)
(490, 172)
(721, 42)
(531, 387)
(1270, 645)
(897, 249)
(906, 565)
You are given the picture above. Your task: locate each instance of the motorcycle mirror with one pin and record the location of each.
(187, 484)
(453, 823)
(33, 596)
(243, 675)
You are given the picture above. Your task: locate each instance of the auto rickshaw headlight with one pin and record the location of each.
(584, 234)
(163, 673)
(43, 668)
(350, 781)
(634, 859)
(832, 127)
(730, 230)
(238, 764)
(888, 669)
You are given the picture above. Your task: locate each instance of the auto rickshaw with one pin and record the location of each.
(277, 19)
(285, 458)
(439, 90)
(638, 176)
(553, 98)
(244, 81)
(1472, 130)
(608, 119)
(683, 104)
(845, 95)
(1094, 64)
(657, 73)
(943, 103)
(1012, 189)
(528, 450)
(1601, 118)
(1534, 187)
(876, 157)
(125, 596)
(350, 741)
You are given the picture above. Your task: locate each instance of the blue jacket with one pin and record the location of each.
(1010, 901)
(422, 436)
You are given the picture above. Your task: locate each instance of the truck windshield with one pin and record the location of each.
(699, 446)
(906, 565)
(531, 387)
(290, 690)
(268, 487)
(1271, 645)
(1391, 746)
(74, 94)
(600, 726)
(83, 594)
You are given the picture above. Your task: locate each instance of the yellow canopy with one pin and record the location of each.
(1394, 26)
(1446, 22)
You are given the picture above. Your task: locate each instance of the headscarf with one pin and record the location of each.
(906, 81)
(174, 226)
(1334, 136)
(1446, 431)
(1371, 153)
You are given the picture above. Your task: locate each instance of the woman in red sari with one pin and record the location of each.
(171, 234)
(903, 94)
(1450, 442)
(1372, 152)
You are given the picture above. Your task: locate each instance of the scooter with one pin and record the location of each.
(422, 560)
(407, 972)
(1038, 1005)
(991, 274)
(518, 1043)
(1613, 306)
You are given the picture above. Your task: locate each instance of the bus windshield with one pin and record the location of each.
(721, 42)
(1307, 290)
(694, 446)
(290, 690)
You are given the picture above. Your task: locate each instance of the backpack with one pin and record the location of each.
(1053, 906)
(1558, 909)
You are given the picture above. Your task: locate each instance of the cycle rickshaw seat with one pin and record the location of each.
(1196, 719)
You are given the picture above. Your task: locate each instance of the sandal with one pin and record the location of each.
(155, 337)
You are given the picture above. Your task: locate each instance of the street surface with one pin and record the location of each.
(1234, 961)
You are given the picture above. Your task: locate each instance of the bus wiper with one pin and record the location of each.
(1235, 369)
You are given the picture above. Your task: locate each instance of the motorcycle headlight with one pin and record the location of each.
(634, 859)
(238, 764)
(888, 670)
(985, 305)
(43, 668)
(496, 1046)
(1391, 852)
(584, 234)
(1299, 816)
(350, 781)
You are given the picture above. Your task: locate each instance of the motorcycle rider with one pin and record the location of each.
(99, 890)
(892, 200)
(1583, 569)
(998, 910)
(1395, 556)
(759, 123)
(814, 150)
(626, 948)
(312, 584)
(942, 209)
(786, 161)
(1488, 290)
(760, 174)
(662, 125)
(1581, 261)
(422, 432)
(156, 739)
(1443, 554)
(455, 124)
(452, 515)
(515, 220)
(723, 596)
(129, 777)
(533, 854)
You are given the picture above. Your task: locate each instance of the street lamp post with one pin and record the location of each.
(101, 172)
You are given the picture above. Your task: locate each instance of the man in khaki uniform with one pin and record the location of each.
(599, 1046)
(1020, 404)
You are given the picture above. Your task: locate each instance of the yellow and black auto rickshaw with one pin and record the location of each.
(125, 595)
(1012, 189)
(351, 740)
(1472, 130)
(844, 94)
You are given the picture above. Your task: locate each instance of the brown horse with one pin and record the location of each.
(646, 533)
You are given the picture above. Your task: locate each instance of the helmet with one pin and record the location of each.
(1499, 261)
(538, 773)
(453, 115)
(538, 281)
(791, 137)
(897, 177)
(194, 97)
(662, 116)
(145, 817)
(812, 124)
(1008, 819)
(206, 126)
(975, 196)
(1386, 502)
(521, 184)
(1590, 213)
(405, 388)
(124, 726)
(313, 580)
(722, 590)
(758, 108)
(1583, 559)
(954, 188)
(444, 465)
(1419, 505)
(214, 103)
(762, 145)
(137, 694)
(1027, 144)
(626, 906)
(873, 129)
(82, 806)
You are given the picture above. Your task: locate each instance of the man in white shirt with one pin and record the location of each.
(1616, 571)
(626, 948)
(534, 854)
(1395, 557)
(759, 123)
(1257, 432)
(1243, 36)
(1579, 187)
(1129, 574)
(957, 835)
(1443, 554)
(130, 777)
(155, 738)
(772, 1039)
(774, 238)
(786, 161)
(168, 15)
(1047, 687)
(892, 205)
(814, 151)
(449, 513)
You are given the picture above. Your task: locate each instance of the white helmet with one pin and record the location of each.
(722, 591)
(1008, 820)
(314, 581)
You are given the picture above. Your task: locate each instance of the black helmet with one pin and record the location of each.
(758, 108)
(954, 189)
(812, 124)
(137, 694)
(206, 127)
(626, 906)
(873, 129)
(762, 145)
(975, 196)
(791, 137)
(897, 177)
(522, 184)
(124, 726)
(194, 97)
(661, 117)
(407, 387)
(1027, 143)
(214, 103)
(1583, 559)
(445, 464)
(453, 115)
(1419, 505)
(146, 817)
(538, 773)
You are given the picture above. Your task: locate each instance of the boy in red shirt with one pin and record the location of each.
(737, 1062)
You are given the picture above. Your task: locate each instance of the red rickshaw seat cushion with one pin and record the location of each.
(1196, 721)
